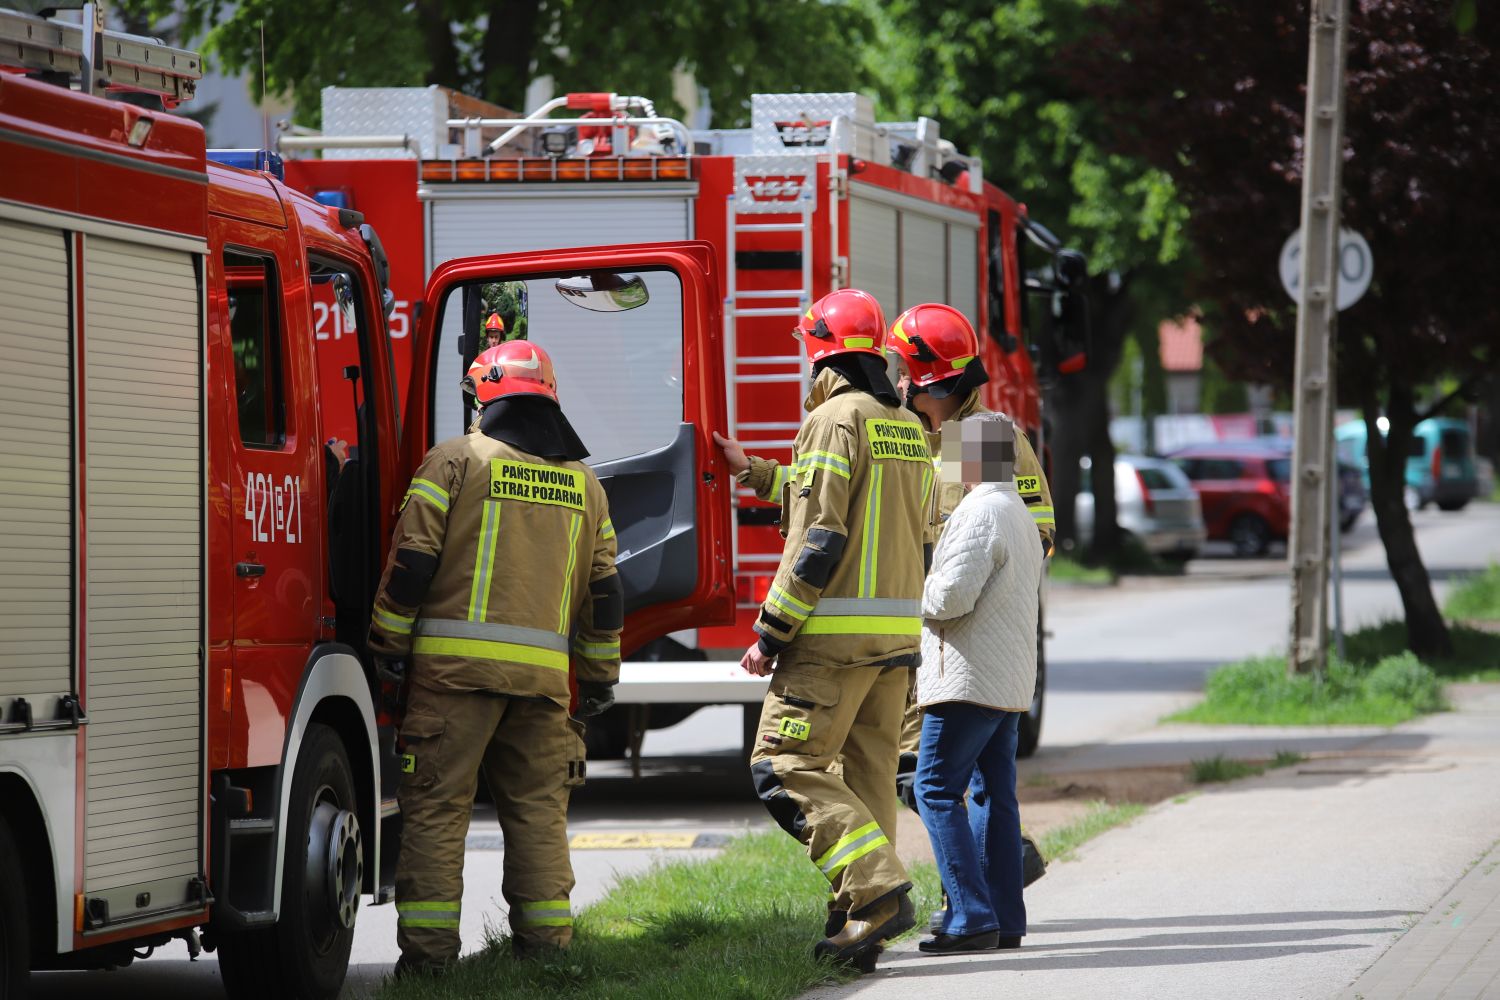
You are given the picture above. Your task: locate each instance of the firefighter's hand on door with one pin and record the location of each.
(733, 453)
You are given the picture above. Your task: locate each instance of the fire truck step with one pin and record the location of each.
(768, 227)
(252, 826)
(771, 359)
(772, 311)
(788, 293)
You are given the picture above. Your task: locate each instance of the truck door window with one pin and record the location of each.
(342, 332)
(255, 338)
(619, 370)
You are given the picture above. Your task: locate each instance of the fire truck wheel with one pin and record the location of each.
(15, 934)
(1029, 732)
(306, 955)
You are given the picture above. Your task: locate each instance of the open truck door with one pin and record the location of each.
(640, 375)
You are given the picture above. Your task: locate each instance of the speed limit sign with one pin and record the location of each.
(1356, 266)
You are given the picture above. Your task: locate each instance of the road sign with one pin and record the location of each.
(1356, 266)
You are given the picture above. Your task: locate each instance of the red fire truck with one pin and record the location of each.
(196, 493)
(815, 195)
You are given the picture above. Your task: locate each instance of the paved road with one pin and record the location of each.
(1119, 659)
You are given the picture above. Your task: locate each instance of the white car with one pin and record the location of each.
(1154, 501)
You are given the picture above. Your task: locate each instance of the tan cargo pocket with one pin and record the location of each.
(577, 754)
(803, 707)
(421, 737)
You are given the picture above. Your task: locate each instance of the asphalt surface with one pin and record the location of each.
(1119, 658)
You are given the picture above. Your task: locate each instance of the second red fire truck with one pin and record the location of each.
(815, 195)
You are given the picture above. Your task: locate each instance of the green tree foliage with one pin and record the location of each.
(1211, 92)
(988, 72)
(492, 49)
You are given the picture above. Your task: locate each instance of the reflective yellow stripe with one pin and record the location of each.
(607, 529)
(824, 460)
(962, 362)
(869, 559)
(484, 562)
(431, 492)
(862, 625)
(779, 480)
(1043, 515)
(927, 477)
(872, 845)
(854, 342)
(567, 597)
(392, 622)
(428, 914)
(789, 604)
(486, 650)
(549, 913)
(597, 650)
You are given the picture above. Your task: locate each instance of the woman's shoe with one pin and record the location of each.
(1003, 943)
(945, 944)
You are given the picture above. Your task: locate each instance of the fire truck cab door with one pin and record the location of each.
(633, 333)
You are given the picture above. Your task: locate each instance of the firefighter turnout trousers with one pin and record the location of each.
(846, 817)
(843, 618)
(449, 737)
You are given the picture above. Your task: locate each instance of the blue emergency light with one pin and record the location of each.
(250, 159)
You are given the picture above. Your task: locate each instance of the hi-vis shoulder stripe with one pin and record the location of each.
(788, 605)
(607, 529)
(429, 491)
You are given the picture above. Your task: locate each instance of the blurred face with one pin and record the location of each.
(492, 339)
(983, 451)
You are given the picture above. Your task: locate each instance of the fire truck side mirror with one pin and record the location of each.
(604, 291)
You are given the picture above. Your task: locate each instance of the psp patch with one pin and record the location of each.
(796, 729)
(1028, 484)
(408, 763)
(899, 439)
(530, 483)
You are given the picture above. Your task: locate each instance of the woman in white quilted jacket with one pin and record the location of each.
(977, 676)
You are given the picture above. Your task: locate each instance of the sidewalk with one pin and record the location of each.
(1290, 885)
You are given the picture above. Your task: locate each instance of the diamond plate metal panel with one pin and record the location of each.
(783, 123)
(770, 184)
(420, 112)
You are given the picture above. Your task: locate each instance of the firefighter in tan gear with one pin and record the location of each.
(842, 621)
(502, 566)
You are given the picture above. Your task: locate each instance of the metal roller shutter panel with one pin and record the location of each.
(36, 470)
(604, 362)
(924, 248)
(963, 271)
(872, 253)
(144, 571)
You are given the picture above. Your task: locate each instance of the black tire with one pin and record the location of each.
(1029, 730)
(1251, 535)
(305, 956)
(15, 927)
(1452, 505)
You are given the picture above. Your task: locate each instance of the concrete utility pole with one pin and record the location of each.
(1313, 457)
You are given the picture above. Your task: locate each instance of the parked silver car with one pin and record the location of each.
(1156, 503)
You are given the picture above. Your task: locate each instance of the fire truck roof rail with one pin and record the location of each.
(119, 61)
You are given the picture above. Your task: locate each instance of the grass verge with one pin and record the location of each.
(739, 926)
(1059, 844)
(1220, 768)
(1476, 598)
(1066, 569)
(1476, 652)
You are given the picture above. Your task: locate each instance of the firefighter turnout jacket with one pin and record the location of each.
(768, 479)
(848, 590)
(503, 564)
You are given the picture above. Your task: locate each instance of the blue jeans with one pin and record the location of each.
(977, 845)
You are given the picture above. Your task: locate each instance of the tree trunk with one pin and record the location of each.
(437, 42)
(1068, 443)
(1426, 632)
(509, 40)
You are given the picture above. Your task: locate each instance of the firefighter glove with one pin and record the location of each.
(906, 780)
(594, 698)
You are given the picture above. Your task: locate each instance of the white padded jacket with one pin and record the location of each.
(980, 604)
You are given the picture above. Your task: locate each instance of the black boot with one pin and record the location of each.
(947, 944)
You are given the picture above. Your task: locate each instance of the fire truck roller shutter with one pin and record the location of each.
(906, 251)
(36, 488)
(144, 570)
(515, 219)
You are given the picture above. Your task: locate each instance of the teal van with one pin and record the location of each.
(1440, 468)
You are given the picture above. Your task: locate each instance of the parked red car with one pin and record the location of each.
(1245, 490)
